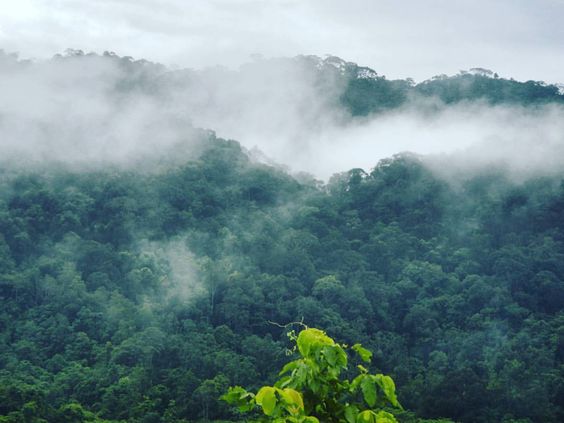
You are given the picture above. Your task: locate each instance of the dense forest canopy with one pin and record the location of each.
(360, 90)
(140, 292)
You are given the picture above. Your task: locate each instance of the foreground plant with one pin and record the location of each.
(312, 389)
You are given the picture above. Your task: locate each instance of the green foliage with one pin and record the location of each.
(141, 296)
(313, 389)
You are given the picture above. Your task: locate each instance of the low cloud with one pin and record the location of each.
(89, 110)
(465, 137)
(81, 110)
(181, 281)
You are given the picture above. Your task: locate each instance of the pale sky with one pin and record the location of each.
(523, 39)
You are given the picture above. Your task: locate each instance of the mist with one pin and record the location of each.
(465, 138)
(91, 110)
(181, 281)
(80, 111)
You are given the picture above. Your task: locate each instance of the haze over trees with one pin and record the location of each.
(139, 290)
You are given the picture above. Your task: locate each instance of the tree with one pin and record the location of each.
(313, 387)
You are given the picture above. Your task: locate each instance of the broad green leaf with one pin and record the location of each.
(385, 417)
(351, 412)
(233, 394)
(310, 419)
(367, 416)
(312, 339)
(356, 382)
(289, 367)
(283, 382)
(311, 365)
(368, 387)
(293, 398)
(336, 358)
(240, 398)
(330, 355)
(364, 354)
(266, 398)
(236, 394)
(389, 388)
(341, 356)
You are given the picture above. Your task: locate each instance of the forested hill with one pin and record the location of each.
(142, 260)
(357, 90)
(140, 296)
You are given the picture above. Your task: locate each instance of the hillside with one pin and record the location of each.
(142, 295)
(139, 291)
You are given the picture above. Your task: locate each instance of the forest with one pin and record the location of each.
(141, 294)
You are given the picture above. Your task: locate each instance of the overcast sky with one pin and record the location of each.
(523, 39)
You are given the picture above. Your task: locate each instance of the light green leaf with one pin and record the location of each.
(294, 399)
(368, 387)
(283, 382)
(266, 398)
(362, 369)
(367, 416)
(300, 375)
(240, 398)
(389, 388)
(350, 413)
(236, 394)
(385, 417)
(356, 382)
(330, 355)
(341, 356)
(312, 339)
(233, 394)
(364, 354)
(289, 367)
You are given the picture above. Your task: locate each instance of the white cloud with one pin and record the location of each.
(77, 111)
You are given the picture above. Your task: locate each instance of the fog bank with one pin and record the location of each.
(88, 109)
